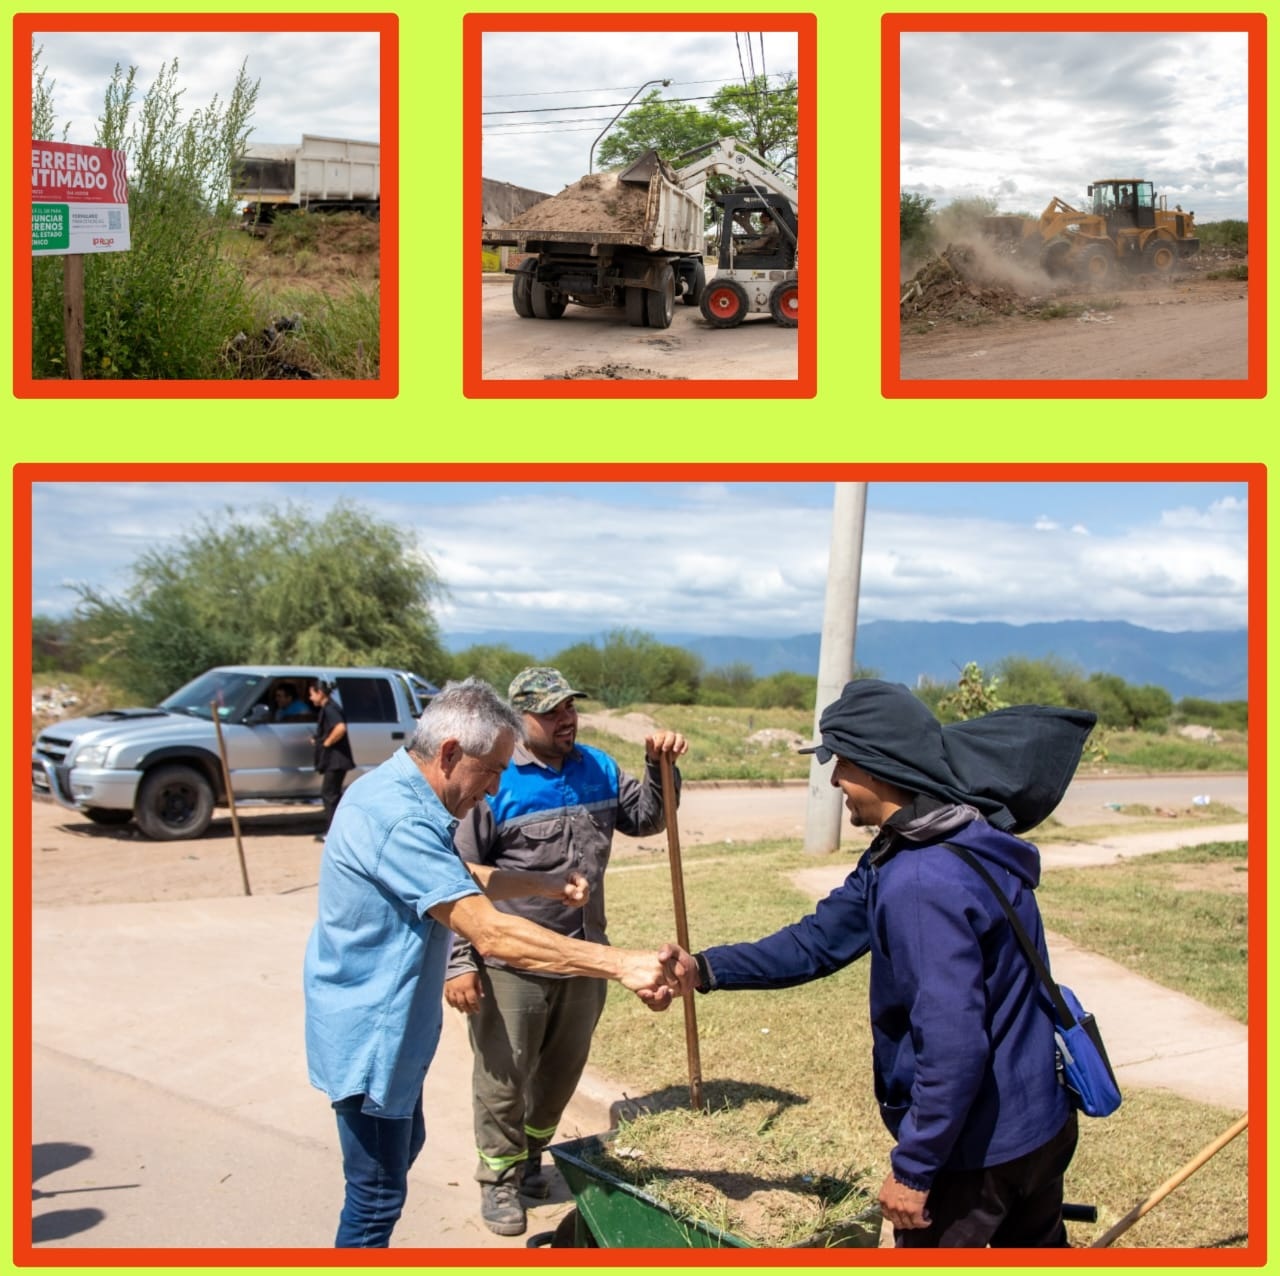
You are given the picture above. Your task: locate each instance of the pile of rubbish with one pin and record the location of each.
(950, 286)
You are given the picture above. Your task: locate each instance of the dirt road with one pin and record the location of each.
(78, 862)
(1194, 330)
(596, 344)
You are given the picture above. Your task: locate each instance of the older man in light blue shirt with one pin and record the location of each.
(391, 890)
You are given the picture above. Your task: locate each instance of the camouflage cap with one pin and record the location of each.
(539, 690)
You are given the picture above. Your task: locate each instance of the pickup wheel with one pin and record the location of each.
(637, 308)
(784, 304)
(693, 294)
(174, 803)
(724, 304)
(107, 815)
(545, 306)
(522, 288)
(660, 303)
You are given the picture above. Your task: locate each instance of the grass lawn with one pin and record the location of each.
(801, 1056)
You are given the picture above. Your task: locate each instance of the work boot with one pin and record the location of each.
(533, 1182)
(501, 1209)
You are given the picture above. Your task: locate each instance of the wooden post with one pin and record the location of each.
(73, 312)
(231, 797)
(682, 927)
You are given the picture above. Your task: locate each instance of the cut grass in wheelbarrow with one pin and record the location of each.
(708, 1181)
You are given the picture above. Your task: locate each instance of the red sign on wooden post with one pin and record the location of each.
(79, 199)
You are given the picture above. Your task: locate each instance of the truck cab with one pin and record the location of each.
(1125, 203)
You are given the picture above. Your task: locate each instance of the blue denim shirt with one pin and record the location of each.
(374, 970)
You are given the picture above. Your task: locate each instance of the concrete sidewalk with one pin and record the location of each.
(171, 1106)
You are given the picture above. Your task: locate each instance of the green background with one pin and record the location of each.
(431, 422)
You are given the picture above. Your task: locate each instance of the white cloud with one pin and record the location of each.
(310, 82)
(1025, 116)
(715, 559)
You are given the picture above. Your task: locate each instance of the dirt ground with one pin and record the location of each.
(341, 251)
(599, 344)
(1186, 327)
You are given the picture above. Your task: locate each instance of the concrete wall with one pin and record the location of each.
(503, 201)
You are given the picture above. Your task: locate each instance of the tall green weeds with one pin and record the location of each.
(166, 307)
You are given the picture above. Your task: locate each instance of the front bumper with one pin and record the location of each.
(78, 787)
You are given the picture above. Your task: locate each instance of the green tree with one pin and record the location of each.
(631, 667)
(784, 691)
(763, 119)
(1230, 715)
(1119, 704)
(670, 128)
(913, 215)
(497, 664)
(282, 587)
(727, 685)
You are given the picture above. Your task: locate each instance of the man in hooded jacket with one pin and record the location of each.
(964, 1055)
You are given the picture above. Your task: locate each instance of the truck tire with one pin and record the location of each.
(1160, 256)
(545, 304)
(724, 303)
(660, 302)
(784, 304)
(1053, 257)
(107, 815)
(174, 803)
(693, 294)
(637, 308)
(1096, 263)
(522, 289)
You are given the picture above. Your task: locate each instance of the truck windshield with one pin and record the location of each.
(232, 693)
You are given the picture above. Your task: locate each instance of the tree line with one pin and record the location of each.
(344, 588)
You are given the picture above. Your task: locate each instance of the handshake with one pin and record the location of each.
(657, 980)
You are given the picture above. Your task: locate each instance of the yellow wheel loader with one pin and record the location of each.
(1128, 227)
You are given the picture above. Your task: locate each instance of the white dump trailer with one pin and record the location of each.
(322, 175)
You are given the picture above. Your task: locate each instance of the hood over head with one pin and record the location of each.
(1012, 765)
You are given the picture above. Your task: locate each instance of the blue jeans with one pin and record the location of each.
(376, 1156)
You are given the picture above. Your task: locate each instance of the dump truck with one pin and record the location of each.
(635, 238)
(632, 239)
(1127, 227)
(320, 175)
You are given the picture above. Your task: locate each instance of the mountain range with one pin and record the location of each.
(1211, 664)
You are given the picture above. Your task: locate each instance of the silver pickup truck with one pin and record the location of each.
(161, 767)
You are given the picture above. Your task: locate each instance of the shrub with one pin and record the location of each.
(165, 308)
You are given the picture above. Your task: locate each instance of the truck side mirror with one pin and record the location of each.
(259, 714)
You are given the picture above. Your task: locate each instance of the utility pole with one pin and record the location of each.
(835, 656)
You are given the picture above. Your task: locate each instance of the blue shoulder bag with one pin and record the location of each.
(1082, 1058)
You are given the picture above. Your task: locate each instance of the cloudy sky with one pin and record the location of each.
(1023, 117)
(739, 559)
(311, 82)
(546, 95)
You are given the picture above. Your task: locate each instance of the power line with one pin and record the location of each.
(613, 88)
(605, 106)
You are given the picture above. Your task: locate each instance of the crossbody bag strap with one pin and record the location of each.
(1033, 953)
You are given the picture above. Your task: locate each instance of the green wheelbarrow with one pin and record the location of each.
(610, 1213)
